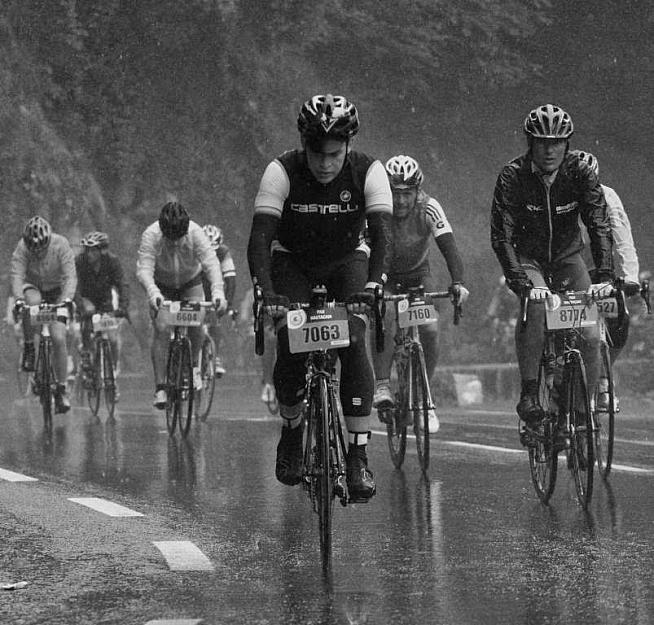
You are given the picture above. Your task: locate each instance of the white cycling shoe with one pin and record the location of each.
(383, 398)
(433, 423)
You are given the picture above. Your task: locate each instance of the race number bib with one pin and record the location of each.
(39, 316)
(415, 313)
(104, 323)
(189, 315)
(573, 312)
(608, 307)
(321, 328)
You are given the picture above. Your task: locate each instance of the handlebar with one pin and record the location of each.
(430, 295)
(318, 299)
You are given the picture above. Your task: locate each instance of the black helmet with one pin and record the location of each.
(173, 221)
(37, 234)
(328, 116)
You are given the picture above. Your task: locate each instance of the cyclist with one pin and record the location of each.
(309, 218)
(215, 236)
(417, 219)
(172, 255)
(43, 270)
(99, 271)
(626, 266)
(536, 237)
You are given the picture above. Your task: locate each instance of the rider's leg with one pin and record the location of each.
(30, 339)
(381, 361)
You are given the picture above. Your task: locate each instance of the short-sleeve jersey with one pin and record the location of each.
(411, 236)
(320, 223)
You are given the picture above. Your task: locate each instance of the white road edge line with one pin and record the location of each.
(176, 621)
(510, 450)
(105, 507)
(10, 476)
(183, 555)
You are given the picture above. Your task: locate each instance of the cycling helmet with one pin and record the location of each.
(173, 221)
(95, 239)
(589, 159)
(37, 234)
(403, 172)
(548, 122)
(328, 116)
(214, 234)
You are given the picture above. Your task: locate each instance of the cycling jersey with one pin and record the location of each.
(95, 282)
(172, 264)
(536, 216)
(55, 269)
(321, 223)
(412, 236)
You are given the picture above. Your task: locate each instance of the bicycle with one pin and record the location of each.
(408, 377)
(316, 329)
(44, 381)
(604, 411)
(564, 398)
(101, 366)
(182, 378)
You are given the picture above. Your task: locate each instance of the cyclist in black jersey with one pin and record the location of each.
(310, 214)
(538, 200)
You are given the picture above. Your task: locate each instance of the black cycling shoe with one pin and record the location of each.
(529, 410)
(288, 466)
(360, 480)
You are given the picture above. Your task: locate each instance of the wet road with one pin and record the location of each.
(469, 545)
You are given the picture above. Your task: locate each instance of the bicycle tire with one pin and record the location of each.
(204, 398)
(22, 377)
(93, 395)
(580, 452)
(325, 490)
(172, 367)
(185, 389)
(108, 378)
(396, 430)
(45, 377)
(421, 408)
(543, 455)
(604, 421)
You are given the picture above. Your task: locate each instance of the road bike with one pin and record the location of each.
(316, 329)
(564, 397)
(44, 381)
(182, 379)
(605, 408)
(409, 382)
(99, 369)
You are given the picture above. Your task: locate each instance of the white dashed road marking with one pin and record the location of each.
(179, 621)
(183, 555)
(106, 507)
(10, 476)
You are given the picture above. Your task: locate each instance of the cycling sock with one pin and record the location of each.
(383, 382)
(360, 439)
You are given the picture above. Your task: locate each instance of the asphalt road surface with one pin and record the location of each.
(113, 521)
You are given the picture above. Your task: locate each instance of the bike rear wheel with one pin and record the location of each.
(185, 391)
(396, 430)
(543, 455)
(581, 458)
(604, 420)
(172, 368)
(421, 408)
(204, 397)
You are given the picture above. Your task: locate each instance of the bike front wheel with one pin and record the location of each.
(420, 408)
(604, 416)
(45, 381)
(204, 397)
(94, 393)
(325, 485)
(109, 378)
(398, 415)
(580, 452)
(185, 391)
